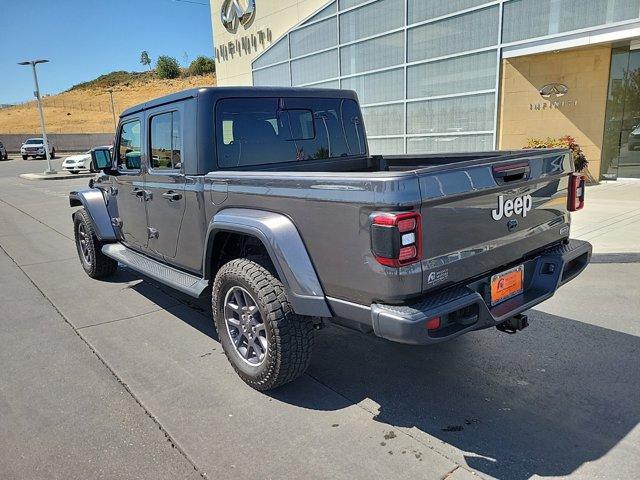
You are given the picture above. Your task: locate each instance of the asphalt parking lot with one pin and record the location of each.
(126, 379)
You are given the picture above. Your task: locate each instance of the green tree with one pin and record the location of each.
(144, 59)
(202, 65)
(167, 67)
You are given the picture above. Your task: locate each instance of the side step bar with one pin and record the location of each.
(174, 278)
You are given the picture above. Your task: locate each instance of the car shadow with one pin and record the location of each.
(543, 402)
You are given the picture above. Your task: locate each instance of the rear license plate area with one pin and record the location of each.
(507, 284)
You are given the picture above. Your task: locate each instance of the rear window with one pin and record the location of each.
(261, 131)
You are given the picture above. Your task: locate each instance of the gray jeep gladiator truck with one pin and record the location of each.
(269, 196)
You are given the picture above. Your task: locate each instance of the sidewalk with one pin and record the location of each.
(611, 220)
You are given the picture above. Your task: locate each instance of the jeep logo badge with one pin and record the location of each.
(232, 13)
(506, 208)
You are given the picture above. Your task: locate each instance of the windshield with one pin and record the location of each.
(33, 141)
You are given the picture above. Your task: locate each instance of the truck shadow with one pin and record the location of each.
(558, 395)
(543, 402)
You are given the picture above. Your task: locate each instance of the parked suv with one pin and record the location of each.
(3, 152)
(270, 197)
(34, 147)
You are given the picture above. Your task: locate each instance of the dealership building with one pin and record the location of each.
(454, 75)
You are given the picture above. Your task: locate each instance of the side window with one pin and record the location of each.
(166, 141)
(249, 133)
(129, 146)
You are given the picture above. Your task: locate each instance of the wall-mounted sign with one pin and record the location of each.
(232, 13)
(552, 92)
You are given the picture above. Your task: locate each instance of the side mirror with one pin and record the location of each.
(101, 159)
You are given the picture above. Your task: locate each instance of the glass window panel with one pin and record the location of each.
(420, 10)
(277, 52)
(536, 18)
(255, 131)
(450, 144)
(329, 84)
(448, 115)
(350, 3)
(452, 35)
(325, 12)
(314, 37)
(315, 68)
(372, 54)
(161, 142)
(384, 120)
(371, 19)
(377, 87)
(277, 76)
(129, 146)
(386, 146)
(454, 75)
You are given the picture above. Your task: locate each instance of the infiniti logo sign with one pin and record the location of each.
(233, 13)
(554, 90)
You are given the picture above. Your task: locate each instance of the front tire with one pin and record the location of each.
(24, 157)
(266, 342)
(53, 154)
(94, 262)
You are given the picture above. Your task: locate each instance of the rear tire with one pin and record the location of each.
(93, 261)
(266, 342)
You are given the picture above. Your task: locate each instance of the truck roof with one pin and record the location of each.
(215, 93)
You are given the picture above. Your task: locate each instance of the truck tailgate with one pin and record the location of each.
(485, 216)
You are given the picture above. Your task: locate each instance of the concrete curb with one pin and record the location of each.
(56, 176)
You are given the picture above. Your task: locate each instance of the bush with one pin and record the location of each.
(202, 65)
(167, 67)
(567, 141)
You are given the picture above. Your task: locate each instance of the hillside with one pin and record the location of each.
(86, 108)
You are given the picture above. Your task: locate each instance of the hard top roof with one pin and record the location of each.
(214, 93)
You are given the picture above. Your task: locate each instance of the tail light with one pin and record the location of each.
(396, 238)
(575, 200)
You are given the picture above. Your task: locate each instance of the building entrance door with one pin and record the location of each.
(621, 146)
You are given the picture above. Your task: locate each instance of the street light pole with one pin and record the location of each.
(113, 111)
(33, 64)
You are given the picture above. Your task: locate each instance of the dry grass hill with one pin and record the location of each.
(86, 108)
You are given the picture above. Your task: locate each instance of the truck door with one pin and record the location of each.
(165, 181)
(129, 185)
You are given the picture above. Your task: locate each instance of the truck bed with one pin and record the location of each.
(331, 201)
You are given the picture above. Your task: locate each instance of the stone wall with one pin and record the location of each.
(63, 142)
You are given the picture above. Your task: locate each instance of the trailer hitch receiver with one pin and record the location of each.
(514, 324)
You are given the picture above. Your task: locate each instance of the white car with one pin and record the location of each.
(34, 147)
(78, 162)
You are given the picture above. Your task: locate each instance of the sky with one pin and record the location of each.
(87, 38)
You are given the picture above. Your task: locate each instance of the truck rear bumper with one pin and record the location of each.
(465, 308)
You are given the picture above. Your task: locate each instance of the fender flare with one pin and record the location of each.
(93, 202)
(286, 249)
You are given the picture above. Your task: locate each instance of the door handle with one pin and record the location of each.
(172, 196)
(137, 192)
